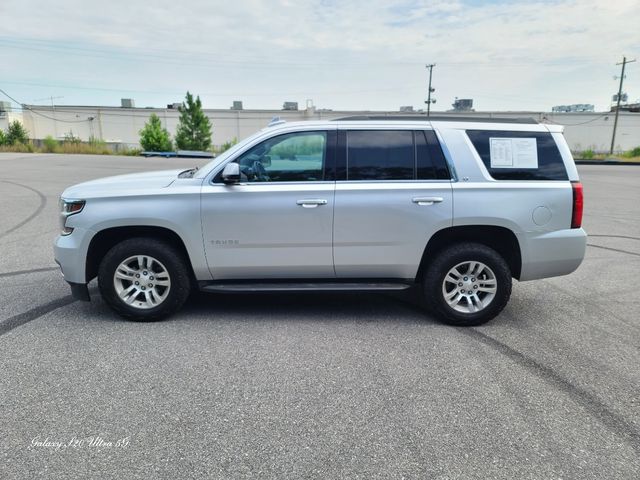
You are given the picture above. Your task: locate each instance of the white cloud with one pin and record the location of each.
(357, 54)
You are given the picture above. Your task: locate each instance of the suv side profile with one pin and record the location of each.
(456, 207)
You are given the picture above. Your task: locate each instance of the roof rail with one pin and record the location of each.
(276, 121)
(436, 118)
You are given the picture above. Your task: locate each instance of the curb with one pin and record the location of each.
(604, 162)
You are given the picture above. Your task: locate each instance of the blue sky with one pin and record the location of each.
(342, 55)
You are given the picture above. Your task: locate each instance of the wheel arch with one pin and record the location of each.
(105, 239)
(501, 239)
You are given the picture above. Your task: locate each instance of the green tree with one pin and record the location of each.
(154, 138)
(194, 128)
(16, 133)
(3, 138)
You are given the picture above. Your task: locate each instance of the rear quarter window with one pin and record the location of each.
(543, 163)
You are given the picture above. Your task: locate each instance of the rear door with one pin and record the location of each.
(393, 192)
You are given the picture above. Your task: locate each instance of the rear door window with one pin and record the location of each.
(519, 155)
(430, 161)
(394, 155)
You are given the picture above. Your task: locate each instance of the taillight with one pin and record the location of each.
(578, 205)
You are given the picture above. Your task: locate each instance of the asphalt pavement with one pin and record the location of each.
(316, 385)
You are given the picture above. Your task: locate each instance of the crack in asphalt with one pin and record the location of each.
(43, 203)
(588, 401)
(37, 312)
(592, 404)
(613, 236)
(24, 272)
(613, 249)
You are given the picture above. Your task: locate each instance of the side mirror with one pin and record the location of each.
(231, 173)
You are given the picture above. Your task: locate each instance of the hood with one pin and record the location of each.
(129, 184)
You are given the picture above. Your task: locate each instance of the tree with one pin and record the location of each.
(3, 138)
(194, 128)
(154, 138)
(16, 133)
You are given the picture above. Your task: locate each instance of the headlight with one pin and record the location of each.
(68, 208)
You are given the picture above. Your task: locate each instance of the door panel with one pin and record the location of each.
(381, 228)
(268, 230)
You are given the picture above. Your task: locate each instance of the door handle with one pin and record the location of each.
(426, 201)
(311, 202)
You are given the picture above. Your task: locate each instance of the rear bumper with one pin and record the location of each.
(552, 254)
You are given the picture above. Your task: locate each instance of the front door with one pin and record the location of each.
(277, 222)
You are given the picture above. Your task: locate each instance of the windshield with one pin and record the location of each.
(226, 154)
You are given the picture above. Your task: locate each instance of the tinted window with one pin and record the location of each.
(295, 157)
(380, 155)
(430, 161)
(549, 161)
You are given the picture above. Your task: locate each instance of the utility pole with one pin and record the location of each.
(53, 112)
(431, 90)
(615, 122)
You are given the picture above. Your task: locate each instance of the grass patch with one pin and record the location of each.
(50, 145)
(632, 156)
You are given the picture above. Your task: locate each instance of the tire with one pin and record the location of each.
(162, 263)
(492, 287)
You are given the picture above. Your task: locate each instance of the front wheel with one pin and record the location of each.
(467, 284)
(144, 279)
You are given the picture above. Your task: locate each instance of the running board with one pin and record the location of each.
(302, 287)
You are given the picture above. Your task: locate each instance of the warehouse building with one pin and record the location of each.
(121, 125)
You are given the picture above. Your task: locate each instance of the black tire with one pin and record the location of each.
(172, 259)
(451, 256)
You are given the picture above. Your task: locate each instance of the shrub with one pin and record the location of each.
(634, 152)
(588, 154)
(3, 138)
(16, 133)
(50, 144)
(153, 137)
(70, 138)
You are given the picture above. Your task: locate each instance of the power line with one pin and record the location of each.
(200, 58)
(25, 107)
(576, 124)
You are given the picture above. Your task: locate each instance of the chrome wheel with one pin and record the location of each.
(469, 287)
(142, 282)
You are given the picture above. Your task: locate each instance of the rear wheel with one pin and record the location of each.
(144, 279)
(467, 284)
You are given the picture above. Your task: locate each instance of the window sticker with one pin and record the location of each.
(513, 152)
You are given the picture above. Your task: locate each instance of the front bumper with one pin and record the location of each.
(70, 252)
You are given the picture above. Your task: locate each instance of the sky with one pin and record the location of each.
(341, 55)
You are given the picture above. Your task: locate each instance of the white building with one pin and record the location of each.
(121, 125)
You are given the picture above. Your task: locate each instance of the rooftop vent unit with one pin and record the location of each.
(127, 103)
(462, 105)
(290, 106)
(237, 105)
(174, 106)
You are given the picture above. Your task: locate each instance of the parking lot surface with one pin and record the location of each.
(316, 385)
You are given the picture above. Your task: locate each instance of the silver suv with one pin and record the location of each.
(455, 207)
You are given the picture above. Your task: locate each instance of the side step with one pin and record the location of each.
(302, 287)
